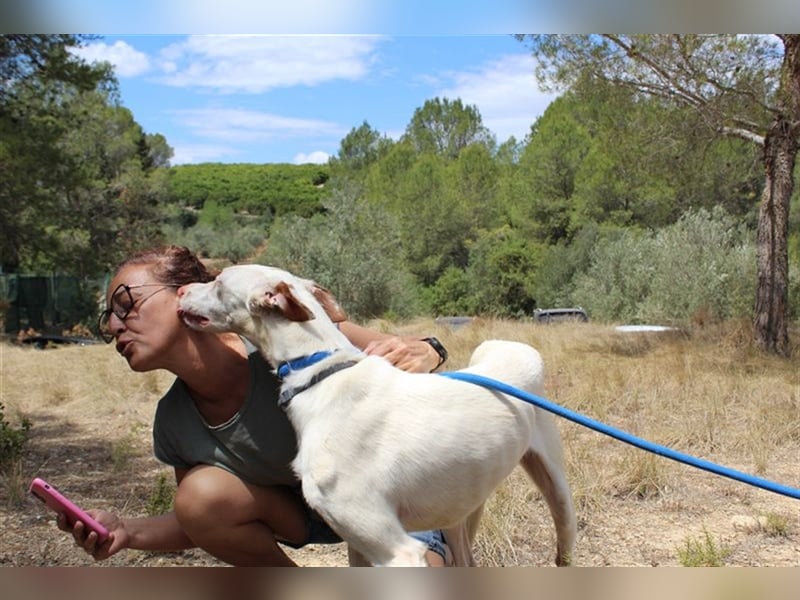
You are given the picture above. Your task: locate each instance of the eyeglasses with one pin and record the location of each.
(122, 303)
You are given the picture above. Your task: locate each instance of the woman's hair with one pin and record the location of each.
(171, 264)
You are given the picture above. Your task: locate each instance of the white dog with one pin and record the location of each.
(382, 451)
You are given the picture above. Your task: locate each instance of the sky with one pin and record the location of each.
(285, 80)
(292, 98)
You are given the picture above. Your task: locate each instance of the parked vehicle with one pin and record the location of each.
(49, 341)
(559, 315)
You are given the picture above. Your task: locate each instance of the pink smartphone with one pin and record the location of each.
(61, 504)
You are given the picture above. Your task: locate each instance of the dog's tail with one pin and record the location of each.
(521, 366)
(514, 363)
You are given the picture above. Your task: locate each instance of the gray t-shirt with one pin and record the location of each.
(257, 444)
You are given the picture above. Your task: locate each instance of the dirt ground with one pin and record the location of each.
(103, 459)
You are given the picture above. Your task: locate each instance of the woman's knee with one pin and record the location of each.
(204, 496)
(211, 500)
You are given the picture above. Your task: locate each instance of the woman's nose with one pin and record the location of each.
(115, 324)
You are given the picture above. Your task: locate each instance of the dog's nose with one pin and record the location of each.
(181, 291)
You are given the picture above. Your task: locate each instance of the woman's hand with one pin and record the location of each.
(408, 353)
(415, 356)
(117, 539)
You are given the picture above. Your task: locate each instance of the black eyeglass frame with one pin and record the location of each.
(105, 316)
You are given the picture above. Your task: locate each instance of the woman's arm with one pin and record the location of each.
(160, 533)
(409, 353)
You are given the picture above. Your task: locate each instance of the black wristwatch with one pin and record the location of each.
(440, 350)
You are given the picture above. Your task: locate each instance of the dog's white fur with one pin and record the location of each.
(382, 451)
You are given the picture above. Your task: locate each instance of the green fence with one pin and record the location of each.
(50, 303)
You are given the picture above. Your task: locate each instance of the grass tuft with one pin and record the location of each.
(703, 552)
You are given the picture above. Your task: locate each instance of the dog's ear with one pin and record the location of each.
(329, 304)
(282, 299)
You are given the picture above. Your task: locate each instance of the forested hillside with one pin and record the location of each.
(633, 207)
(271, 189)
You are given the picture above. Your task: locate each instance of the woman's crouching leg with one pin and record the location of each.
(239, 522)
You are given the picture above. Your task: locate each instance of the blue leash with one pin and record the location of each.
(623, 436)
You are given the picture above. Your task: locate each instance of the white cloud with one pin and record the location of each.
(505, 92)
(127, 61)
(255, 64)
(198, 153)
(238, 125)
(318, 157)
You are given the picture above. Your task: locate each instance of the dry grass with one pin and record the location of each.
(706, 392)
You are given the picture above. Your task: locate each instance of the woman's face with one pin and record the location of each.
(147, 334)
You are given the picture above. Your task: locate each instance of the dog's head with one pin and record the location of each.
(242, 296)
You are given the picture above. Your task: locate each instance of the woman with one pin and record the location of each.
(219, 426)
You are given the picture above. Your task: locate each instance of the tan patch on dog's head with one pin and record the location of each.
(281, 298)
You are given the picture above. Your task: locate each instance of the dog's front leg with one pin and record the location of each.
(355, 558)
(371, 530)
(379, 541)
(363, 516)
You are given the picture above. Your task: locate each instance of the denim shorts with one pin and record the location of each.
(319, 532)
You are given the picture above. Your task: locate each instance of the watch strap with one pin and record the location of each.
(440, 350)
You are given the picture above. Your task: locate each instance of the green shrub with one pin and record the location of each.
(234, 242)
(353, 249)
(12, 444)
(162, 496)
(12, 441)
(703, 264)
(501, 264)
(451, 294)
(555, 278)
(617, 280)
(794, 275)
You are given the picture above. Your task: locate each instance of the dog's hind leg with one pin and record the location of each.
(544, 464)
(461, 537)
